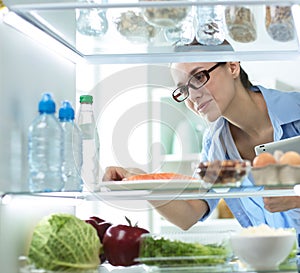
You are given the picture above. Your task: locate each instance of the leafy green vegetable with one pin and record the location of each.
(63, 242)
(166, 252)
(290, 263)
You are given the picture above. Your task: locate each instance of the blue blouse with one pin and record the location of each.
(284, 112)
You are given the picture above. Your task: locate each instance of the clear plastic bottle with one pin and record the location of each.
(90, 144)
(72, 148)
(45, 149)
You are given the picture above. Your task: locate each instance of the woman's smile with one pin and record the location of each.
(203, 106)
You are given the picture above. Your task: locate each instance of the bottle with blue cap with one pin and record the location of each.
(72, 148)
(45, 149)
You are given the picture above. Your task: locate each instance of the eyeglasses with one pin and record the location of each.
(196, 81)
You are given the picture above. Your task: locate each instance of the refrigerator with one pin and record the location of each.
(131, 85)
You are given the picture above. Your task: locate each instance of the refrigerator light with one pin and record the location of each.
(40, 36)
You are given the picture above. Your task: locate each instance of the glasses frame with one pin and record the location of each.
(186, 87)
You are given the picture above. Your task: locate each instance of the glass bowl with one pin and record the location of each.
(263, 247)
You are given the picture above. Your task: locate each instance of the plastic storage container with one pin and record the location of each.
(182, 34)
(72, 148)
(221, 173)
(90, 144)
(240, 23)
(132, 25)
(279, 23)
(165, 16)
(199, 252)
(45, 149)
(210, 25)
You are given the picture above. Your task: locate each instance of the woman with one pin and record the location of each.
(241, 116)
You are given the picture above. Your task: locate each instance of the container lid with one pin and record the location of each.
(66, 111)
(86, 99)
(47, 104)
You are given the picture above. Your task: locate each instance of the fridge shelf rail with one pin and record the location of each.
(156, 194)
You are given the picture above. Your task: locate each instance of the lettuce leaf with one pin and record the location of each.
(63, 242)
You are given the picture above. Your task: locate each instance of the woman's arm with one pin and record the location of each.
(284, 203)
(182, 213)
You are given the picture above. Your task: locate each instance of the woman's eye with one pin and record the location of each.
(199, 76)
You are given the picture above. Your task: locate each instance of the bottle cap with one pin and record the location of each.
(66, 111)
(86, 99)
(47, 104)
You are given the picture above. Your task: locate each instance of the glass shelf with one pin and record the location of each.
(59, 20)
(179, 194)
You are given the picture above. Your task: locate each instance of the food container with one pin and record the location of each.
(182, 34)
(186, 250)
(220, 173)
(132, 25)
(263, 248)
(276, 175)
(279, 23)
(240, 23)
(165, 16)
(92, 22)
(210, 29)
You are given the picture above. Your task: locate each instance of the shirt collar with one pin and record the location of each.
(283, 107)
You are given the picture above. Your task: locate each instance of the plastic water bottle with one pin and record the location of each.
(72, 148)
(90, 144)
(45, 149)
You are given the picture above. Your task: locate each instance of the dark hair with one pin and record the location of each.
(245, 79)
(243, 75)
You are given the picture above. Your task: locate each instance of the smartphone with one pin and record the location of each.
(284, 145)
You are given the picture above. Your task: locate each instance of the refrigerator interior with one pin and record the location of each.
(130, 106)
(27, 69)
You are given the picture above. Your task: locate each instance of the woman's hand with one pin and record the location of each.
(284, 203)
(113, 173)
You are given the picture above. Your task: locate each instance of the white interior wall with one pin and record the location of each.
(27, 69)
(269, 73)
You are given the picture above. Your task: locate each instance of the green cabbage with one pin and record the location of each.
(63, 242)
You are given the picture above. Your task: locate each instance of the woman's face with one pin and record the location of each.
(213, 99)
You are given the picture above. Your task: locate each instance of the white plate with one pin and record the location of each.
(155, 185)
